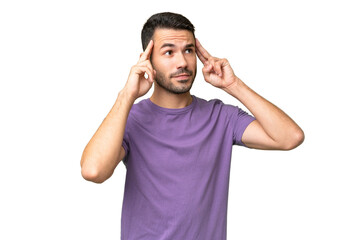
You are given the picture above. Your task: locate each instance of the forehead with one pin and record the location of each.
(177, 37)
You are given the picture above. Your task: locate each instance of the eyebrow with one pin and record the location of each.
(173, 45)
(167, 45)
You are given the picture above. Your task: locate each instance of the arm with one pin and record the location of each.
(104, 150)
(272, 129)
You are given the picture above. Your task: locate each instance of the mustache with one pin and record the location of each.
(182, 71)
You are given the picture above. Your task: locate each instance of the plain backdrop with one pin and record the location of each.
(62, 64)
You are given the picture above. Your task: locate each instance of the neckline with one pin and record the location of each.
(157, 108)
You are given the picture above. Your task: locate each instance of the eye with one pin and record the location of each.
(189, 50)
(168, 52)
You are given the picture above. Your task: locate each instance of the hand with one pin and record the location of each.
(217, 72)
(137, 84)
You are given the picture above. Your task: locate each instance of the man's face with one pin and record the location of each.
(174, 59)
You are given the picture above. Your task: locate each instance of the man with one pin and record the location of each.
(177, 147)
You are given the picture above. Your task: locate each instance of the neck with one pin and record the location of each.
(166, 99)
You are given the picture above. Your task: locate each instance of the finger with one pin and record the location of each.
(217, 68)
(150, 74)
(146, 63)
(146, 54)
(201, 57)
(202, 50)
(141, 70)
(208, 68)
(212, 62)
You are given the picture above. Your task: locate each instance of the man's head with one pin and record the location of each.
(165, 20)
(173, 55)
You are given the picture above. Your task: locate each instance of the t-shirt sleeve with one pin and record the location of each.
(239, 120)
(125, 145)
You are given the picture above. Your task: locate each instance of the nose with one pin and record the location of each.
(181, 61)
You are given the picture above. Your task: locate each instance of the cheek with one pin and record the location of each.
(163, 68)
(192, 62)
(161, 64)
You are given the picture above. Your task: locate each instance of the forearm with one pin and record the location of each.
(102, 153)
(285, 133)
(273, 129)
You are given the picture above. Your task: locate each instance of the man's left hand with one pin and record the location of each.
(217, 71)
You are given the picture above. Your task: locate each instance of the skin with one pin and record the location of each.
(172, 70)
(272, 129)
(173, 54)
(174, 51)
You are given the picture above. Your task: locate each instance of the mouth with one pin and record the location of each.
(181, 77)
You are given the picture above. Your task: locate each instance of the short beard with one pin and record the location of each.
(166, 84)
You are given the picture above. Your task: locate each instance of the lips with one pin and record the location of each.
(182, 77)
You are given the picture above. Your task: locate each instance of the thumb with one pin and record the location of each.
(207, 69)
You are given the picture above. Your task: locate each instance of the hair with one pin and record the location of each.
(165, 20)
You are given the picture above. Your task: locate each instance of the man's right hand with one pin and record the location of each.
(137, 84)
(104, 151)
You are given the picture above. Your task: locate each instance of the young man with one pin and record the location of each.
(177, 147)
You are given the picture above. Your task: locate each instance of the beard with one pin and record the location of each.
(165, 82)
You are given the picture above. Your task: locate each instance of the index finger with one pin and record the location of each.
(146, 54)
(204, 55)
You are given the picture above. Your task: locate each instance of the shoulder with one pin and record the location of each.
(138, 106)
(216, 110)
(139, 111)
(217, 105)
(209, 103)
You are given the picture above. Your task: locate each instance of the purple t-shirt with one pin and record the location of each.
(178, 166)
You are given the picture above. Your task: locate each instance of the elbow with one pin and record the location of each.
(91, 173)
(296, 138)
